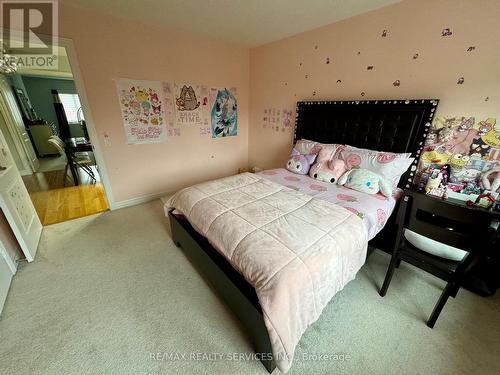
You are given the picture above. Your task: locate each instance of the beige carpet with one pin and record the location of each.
(106, 291)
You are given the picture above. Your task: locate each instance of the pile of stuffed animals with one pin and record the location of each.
(334, 170)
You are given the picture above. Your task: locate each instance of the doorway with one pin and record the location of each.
(55, 157)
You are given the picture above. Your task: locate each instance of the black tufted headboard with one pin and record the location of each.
(381, 125)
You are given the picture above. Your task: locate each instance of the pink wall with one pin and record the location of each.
(109, 48)
(278, 70)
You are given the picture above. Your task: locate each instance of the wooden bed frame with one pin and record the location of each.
(383, 125)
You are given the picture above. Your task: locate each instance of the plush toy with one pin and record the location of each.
(492, 186)
(327, 169)
(365, 181)
(299, 163)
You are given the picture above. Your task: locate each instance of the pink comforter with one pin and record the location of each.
(373, 209)
(295, 250)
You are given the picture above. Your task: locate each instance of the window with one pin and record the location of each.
(71, 105)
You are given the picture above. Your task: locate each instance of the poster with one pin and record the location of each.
(141, 109)
(191, 104)
(224, 112)
(469, 145)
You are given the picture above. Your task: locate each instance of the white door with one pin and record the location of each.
(5, 277)
(16, 204)
(12, 116)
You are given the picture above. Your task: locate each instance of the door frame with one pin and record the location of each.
(89, 121)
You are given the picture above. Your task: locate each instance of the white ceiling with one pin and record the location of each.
(247, 22)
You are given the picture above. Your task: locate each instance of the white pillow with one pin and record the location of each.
(387, 164)
(434, 247)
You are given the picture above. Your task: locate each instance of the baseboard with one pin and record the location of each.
(135, 201)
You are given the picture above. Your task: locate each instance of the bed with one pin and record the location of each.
(391, 125)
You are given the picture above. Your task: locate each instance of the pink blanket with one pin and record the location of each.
(295, 250)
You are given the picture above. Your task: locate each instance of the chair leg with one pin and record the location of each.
(65, 174)
(447, 292)
(398, 263)
(390, 272)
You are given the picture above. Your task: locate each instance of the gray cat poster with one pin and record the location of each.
(191, 104)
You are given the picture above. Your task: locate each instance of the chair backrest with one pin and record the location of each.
(451, 224)
(58, 145)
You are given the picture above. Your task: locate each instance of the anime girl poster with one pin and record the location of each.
(224, 112)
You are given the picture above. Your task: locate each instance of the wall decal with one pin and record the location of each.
(461, 81)
(176, 132)
(363, 93)
(446, 32)
(415, 56)
(141, 109)
(168, 103)
(205, 130)
(306, 76)
(277, 120)
(314, 93)
(316, 47)
(224, 113)
(396, 83)
(384, 33)
(327, 60)
(369, 67)
(300, 64)
(359, 53)
(471, 48)
(487, 98)
(339, 81)
(191, 104)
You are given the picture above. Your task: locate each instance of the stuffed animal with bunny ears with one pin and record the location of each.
(298, 163)
(365, 181)
(328, 171)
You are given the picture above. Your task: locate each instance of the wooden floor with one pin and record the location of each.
(55, 203)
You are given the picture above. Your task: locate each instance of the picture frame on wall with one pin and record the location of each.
(27, 110)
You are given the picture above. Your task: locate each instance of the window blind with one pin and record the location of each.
(71, 105)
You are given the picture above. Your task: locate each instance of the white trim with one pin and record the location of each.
(136, 201)
(89, 121)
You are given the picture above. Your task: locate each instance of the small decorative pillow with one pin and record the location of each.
(365, 181)
(387, 164)
(298, 163)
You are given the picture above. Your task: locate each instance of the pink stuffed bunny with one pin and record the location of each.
(327, 169)
(299, 163)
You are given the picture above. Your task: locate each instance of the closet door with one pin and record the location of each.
(16, 204)
(5, 277)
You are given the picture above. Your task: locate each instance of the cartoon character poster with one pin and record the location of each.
(191, 104)
(470, 146)
(224, 112)
(141, 108)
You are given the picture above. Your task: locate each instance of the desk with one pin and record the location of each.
(72, 146)
(482, 279)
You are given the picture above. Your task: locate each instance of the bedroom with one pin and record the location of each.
(120, 270)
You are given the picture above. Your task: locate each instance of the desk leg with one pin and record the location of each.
(72, 166)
